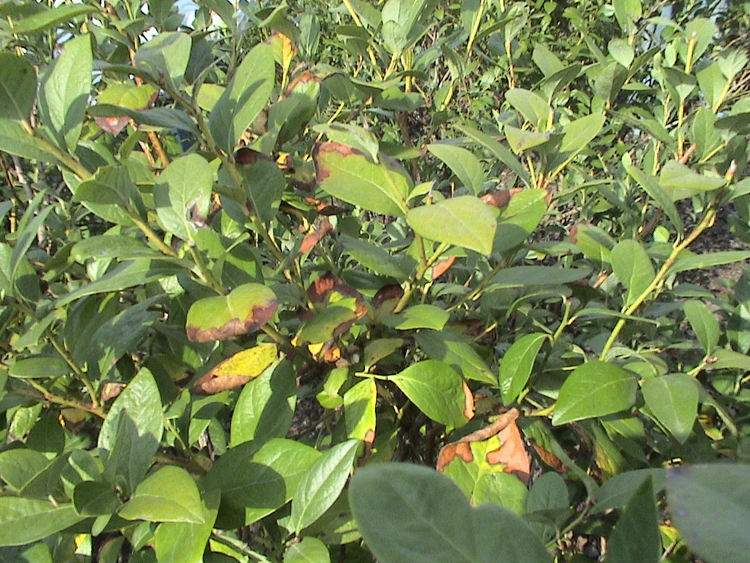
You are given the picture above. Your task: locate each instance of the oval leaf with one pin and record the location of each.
(515, 369)
(436, 389)
(348, 174)
(322, 484)
(633, 267)
(462, 163)
(673, 399)
(710, 505)
(594, 389)
(430, 520)
(168, 495)
(464, 221)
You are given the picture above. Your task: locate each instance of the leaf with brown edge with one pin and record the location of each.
(328, 289)
(511, 453)
(246, 309)
(237, 370)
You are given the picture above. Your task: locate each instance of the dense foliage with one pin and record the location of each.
(255, 250)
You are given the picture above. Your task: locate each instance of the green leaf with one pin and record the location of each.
(462, 163)
(353, 136)
(19, 466)
(627, 12)
(689, 261)
(704, 324)
(621, 51)
(359, 410)
(64, 92)
(265, 407)
(182, 542)
(617, 491)
(132, 431)
(710, 506)
(576, 136)
(51, 18)
(499, 151)
(633, 267)
(681, 182)
(521, 140)
(529, 104)
(524, 276)
(38, 367)
(430, 520)
(246, 309)
(656, 192)
(436, 389)
(92, 498)
(24, 521)
(348, 174)
(463, 221)
(594, 389)
(518, 220)
(17, 87)
(547, 505)
(246, 95)
(456, 351)
(309, 550)
(183, 195)
(110, 246)
(636, 535)
(322, 484)
(418, 316)
(129, 274)
(516, 365)
(372, 257)
(166, 56)
(673, 399)
(14, 139)
(264, 185)
(257, 481)
(167, 495)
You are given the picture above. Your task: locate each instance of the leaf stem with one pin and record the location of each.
(658, 281)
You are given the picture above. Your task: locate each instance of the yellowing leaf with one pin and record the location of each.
(238, 370)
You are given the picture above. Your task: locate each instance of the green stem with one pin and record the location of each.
(205, 273)
(284, 343)
(65, 159)
(658, 280)
(151, 235)
(80, 375)
(62, 401)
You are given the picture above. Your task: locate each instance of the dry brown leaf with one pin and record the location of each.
(512, 453)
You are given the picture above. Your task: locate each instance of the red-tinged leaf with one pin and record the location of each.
(512, 454)
(246, 309)
(390, 293)
(112, 124)
(443, 266)
(237, 370)
(327, 289)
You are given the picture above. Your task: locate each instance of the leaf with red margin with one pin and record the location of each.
(246, 309)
